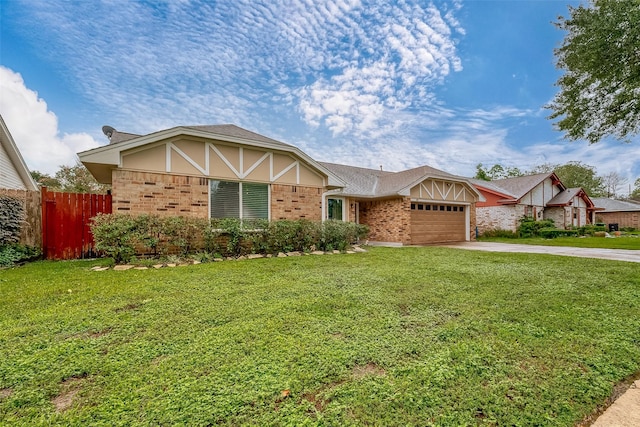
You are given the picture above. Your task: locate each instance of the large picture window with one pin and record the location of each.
(239, 200)
(334, 209)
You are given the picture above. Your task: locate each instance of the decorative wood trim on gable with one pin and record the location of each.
(433, 189)
(224, 161)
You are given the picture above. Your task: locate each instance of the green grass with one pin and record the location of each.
(396, 336)
(630, 241)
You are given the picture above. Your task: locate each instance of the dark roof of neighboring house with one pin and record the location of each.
(365, 182)
(489, 185)
(565, 197)
(613, 205)
(521, 185)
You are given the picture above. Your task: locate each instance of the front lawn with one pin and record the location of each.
(629, 241)
(395, 336)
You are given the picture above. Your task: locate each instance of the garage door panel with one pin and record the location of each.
(437, 226)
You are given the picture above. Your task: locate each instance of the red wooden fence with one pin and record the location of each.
(65, 223)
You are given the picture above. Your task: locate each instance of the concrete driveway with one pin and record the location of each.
(612, 254)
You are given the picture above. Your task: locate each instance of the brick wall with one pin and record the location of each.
(161, 194)
(296, 202)
(472, 221)
(623, 219)
(31, 231)
(388, 220)
(498, 217)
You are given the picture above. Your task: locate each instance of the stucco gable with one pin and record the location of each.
(101, 161)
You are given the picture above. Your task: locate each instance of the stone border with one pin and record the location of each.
(125, 267)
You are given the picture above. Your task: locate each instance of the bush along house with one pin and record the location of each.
(224, 171)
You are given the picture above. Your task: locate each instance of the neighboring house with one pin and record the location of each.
(623, 213)
(14, 173)
(226, 171)
(16, 181)
(539, 196)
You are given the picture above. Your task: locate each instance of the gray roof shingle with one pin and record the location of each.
(613, 205)
(365, 182)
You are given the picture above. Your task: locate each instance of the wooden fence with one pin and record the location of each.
(65, 223)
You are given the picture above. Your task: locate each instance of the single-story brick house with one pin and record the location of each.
(623, 213)
(226, 171)
(540, 196)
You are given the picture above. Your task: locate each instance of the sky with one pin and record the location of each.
(391, 84)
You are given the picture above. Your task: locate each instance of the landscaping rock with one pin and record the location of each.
(122, 267)
(158, 265)
(295, 253)
(358, 249)
(141, 268)
(171, 265)
(281, 255)
(317, 253)
(255, 256)
(98, 268)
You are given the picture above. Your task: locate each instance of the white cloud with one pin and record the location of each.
(35, 129)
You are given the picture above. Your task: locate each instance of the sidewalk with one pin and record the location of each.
(625, 411)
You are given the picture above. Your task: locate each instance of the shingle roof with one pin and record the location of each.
(612, 205)
(360, 181)
(376, 183)
(117, 136)
(489, 185)
(226, 130)
(565, 197)
(521, 185)
(236, 132)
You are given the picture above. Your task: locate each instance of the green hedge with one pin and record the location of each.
(552, 233)
(529, 227)
(123, 236)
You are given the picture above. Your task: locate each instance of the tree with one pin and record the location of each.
(45, 180)
(496, 172)
(635, 194)
(600, 91)
(72, 179)
(612, 183)
(576, 174)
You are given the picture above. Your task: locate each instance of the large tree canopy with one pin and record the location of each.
(600, 90)
(576, 174)
(73, 179)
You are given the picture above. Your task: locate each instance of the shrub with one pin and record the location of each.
(500, 233)
(11, 218)
(15, 253)
(552, 233)
(590, 229)
(115, 235)
(529, 227)
(122, 236)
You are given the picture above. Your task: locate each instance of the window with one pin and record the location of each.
(334, 209)
(420, 207)
(239, 200)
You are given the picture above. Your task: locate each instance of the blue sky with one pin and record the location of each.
(449, 84)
